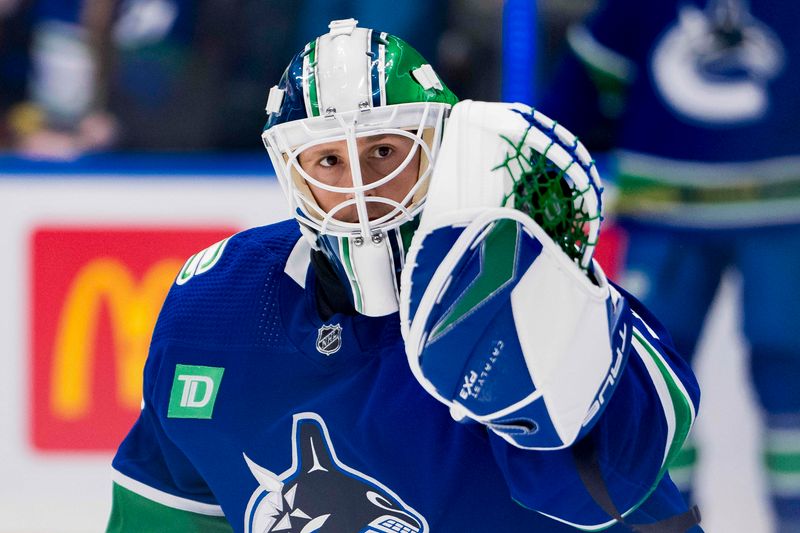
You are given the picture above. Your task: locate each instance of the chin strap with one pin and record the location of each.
(585, 456)
(367, 269)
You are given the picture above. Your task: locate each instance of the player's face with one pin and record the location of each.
(378, 156)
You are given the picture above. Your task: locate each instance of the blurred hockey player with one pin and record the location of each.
(699, 101)
(431, 348)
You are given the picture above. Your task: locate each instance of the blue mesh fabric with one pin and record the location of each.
(236, 302)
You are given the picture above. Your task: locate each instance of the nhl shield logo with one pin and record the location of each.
(329, 339)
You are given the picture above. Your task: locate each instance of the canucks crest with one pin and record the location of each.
(319, 493)
(715, 65)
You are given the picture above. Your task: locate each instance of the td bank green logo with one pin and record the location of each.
(194, 391)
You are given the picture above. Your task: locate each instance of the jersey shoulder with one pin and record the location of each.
(227, 294)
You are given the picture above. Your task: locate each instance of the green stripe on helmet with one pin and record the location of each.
(312, 81)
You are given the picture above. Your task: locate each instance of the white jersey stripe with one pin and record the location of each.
(784, 484)
(782, 440)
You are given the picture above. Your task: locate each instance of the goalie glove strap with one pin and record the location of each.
(585, 456)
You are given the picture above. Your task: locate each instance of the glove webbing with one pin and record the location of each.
(585, 456)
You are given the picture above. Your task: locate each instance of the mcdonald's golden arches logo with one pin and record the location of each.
(96, 294)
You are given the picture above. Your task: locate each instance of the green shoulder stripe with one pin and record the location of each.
(677, 404)
(132, 513)
(678, 407)
(681, 403)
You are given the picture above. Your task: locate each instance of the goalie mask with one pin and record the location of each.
(353, 132)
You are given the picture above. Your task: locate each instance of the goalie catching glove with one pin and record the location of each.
(506, 318)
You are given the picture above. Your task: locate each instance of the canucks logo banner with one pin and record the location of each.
(713, 66)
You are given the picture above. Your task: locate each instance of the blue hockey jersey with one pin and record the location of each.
(699, 100)
(258, 416)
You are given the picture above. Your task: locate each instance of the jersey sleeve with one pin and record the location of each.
(640, 432)
(155, 483)
(588, 92)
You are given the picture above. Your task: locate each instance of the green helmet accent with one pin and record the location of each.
(311, 82)
(401, 86)
(391, 72)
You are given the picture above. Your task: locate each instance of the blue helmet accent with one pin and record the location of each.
(291, 83)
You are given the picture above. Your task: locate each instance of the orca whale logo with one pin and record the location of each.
(714, 65)
(319, 493)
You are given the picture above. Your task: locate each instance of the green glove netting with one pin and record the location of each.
(545, 192)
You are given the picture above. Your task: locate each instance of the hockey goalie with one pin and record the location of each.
(427, 345)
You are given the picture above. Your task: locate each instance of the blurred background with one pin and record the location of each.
(130, 139)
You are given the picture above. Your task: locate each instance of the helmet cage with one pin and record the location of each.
(421, 122)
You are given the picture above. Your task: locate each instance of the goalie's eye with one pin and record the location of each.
(382, 152)
(329, 161)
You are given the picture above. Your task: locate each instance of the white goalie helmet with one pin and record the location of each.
(354, 129)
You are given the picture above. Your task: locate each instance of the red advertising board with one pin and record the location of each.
(95, 293)
(611, 249)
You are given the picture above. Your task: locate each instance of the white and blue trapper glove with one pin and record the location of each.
(506, 317)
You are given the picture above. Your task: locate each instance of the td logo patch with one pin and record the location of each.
(194, 391)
